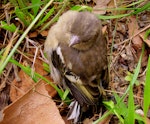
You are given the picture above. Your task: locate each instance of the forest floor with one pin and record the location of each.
(23, 101)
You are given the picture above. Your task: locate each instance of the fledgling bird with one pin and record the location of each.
(77, 53)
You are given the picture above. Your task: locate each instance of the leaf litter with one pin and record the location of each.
(28, 101)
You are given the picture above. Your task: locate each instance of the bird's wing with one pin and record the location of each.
(71, 80)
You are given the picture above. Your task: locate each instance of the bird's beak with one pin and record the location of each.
(74, 40)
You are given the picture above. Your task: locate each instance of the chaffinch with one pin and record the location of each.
(77, 53)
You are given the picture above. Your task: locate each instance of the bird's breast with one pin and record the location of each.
(85, 64)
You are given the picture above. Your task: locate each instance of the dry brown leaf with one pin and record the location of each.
(35, 107)
(20, 88)
(114, 4)
(121, 27)
(100, 7)
(133, 29)
(50, 89)
(144, 57)
(104, 29)
(129, 54)
(44, 33)
(33, 34)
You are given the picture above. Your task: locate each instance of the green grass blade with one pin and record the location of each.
(65, 94)
(147, 89)
(46, 67)
(36, 6)
(137, 10)
(113, 16)
(145, 7)
(22, 4)
(135, 3)
(103, 117)
(22, 16)
(137, 70)
(55, 17)
(147, 34)
(45, 17)
(23, 36)
(131, 108)
(81, 8)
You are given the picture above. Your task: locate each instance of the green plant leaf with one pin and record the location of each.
(109, 104)
(10, 27)
(129, 78)
(119, 111)
(121, 106)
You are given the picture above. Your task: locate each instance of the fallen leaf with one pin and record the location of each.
(133, 29)
(18, 89)
(100, 7)
(50, 89)
(129, 54)
(104, 29)
(35, 107)
(33, 34)
(115, 4)
(144, 58)
(121, 27)
(44, 33)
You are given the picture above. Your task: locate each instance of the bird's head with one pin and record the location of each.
(84, 31)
